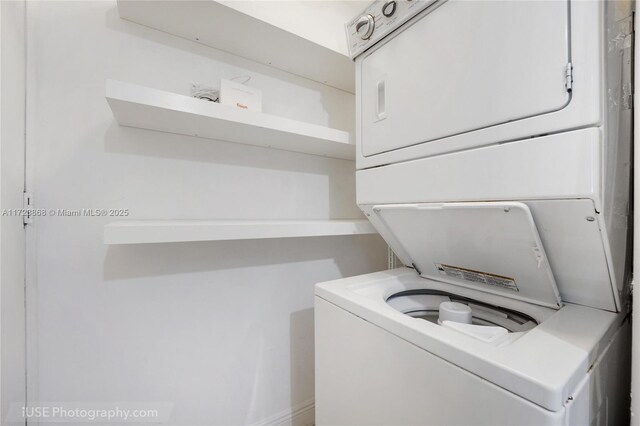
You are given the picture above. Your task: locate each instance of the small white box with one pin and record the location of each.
(240, 96)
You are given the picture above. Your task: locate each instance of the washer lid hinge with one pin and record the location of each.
(568, 77)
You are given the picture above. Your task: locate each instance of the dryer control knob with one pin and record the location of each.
(389, 8)
(365, 26)
(454, 311)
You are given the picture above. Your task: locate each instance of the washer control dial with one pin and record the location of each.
(365, 26)
(389, 8)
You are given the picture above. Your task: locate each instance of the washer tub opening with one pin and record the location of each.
(424, 304)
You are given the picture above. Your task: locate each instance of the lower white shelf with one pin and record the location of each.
(170, 231)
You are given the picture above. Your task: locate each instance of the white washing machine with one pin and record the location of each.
(381, 359)
(493, 156)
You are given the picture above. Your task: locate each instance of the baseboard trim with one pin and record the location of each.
(303, 414)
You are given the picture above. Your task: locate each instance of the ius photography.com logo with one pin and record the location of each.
(87, 412)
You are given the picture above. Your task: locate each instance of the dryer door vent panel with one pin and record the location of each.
(433, 80)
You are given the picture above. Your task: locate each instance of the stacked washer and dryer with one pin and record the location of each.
(494, 157)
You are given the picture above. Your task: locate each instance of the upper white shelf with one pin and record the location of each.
(171, 231)
(146, 108)
(231, 30)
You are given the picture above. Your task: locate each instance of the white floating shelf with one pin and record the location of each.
(229, 29)
(171, 231)
(146, 108)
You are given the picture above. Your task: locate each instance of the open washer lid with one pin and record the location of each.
(493, 247)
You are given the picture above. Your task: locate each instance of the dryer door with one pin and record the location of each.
(464, 66)
(493, 247)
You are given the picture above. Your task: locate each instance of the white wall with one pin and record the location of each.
(222, 330)
(12, 299)
(635, 337)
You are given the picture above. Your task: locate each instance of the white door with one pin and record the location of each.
(12, 233)
(467, 65)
